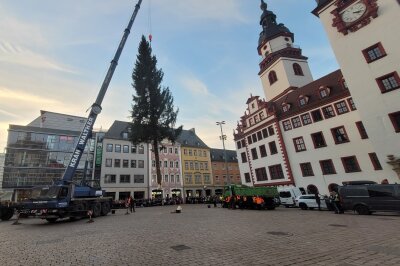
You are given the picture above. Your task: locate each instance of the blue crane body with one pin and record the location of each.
(66, 198)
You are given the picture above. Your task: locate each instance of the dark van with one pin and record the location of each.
(368, 198)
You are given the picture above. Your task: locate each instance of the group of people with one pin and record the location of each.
(247, 202)
(333, 202)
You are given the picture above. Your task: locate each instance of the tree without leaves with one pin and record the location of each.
(153, 115)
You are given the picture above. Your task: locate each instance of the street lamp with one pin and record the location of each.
(223, 138)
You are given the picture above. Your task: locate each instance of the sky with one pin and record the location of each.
(54, 56)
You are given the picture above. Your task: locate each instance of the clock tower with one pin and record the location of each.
(283, 66)
(365, 39)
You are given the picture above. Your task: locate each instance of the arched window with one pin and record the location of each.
(297, 70)
(272, 77)
(312, 189)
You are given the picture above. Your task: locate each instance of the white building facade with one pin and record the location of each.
(124, 168)
(320, 134)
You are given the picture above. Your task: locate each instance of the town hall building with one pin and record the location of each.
(317, 134)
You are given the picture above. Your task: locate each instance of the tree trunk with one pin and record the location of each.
(157, 157)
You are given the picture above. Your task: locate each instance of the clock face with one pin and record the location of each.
(353, 12)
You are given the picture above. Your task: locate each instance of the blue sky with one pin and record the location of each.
(54, 56)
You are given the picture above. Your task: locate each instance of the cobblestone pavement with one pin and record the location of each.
(206, 236)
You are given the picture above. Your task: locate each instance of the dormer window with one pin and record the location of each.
(125, 135)
(252, 105)
(261, 116)
(303, 100)
(251, 121)
(256, 119)
(324, 92)
(272, 77)
(297, 70)
(285, 107)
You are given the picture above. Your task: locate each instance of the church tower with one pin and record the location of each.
(283, 66)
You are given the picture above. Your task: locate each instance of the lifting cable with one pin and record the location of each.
(149, 23)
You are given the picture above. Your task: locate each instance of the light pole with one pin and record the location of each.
(223, 138)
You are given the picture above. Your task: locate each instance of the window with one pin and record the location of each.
(117, 163)
(247, 177)
(176, 150)
(254, 137)
(171, 164)
(275, 172)
(261, 116)
(341, 107)
(166, 178)
(381, 191)
(244, 157)
(188, 179)
(125, 149)
(108, 162)
(239, 144)
(306, 169)
(191, 166)
(204, 153)
(297, 70)
(389, 82)
(243, 144)
(207, 179)
(251, 121)
(328, 111)
(140, 164)
(287, 125)
(186, 165)
(259, 135)
(196, 166)
(109, 148)
(306, 119)
(170, 150)
(261, 174)
(350, 164)
(351, 103)
(395, 118)
(125, 163)
(141, 149)
(124, 178)
(375, 161)
(195, 153)
(133, 163)
(249, 140)
(316, 115)
(296, 122)
(272, 77)
(324, 92)
(361, 130)
(339, 135)
(256, 119)
(138, 179)
(327, 167)
(165, 164)
(272, 147)
(265, 133)
(263, 151)
(201, 166)
(318, 140)
(177, 179)
(254, 153)
(299, 144)
(185, 151)
(110, 179)
(125, 135)
(117, 148)
(133, 149)
(177, 164)
(285, 107)
(206, 165)
(271, 130)
(197, 179)
(374, 52)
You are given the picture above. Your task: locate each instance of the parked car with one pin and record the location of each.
(287, 195)
(305, 202)
(368, 198)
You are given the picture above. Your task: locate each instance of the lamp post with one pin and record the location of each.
(223, 138)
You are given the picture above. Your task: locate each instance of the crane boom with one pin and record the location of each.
(96, 106)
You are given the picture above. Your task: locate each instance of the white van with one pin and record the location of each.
(288, 195)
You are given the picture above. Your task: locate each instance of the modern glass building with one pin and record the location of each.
(38, 155)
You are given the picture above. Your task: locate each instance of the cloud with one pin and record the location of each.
(15, 54)
(13, 95)
(195, 86)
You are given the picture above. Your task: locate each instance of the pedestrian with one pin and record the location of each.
(215, 201)
(338, 204)
(334, 199)
(131, 201)
(318, 200)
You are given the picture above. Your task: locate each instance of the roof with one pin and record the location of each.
(116, 130)
(320, 5)
(217, 155)
(44, 130)
(188, 138)
(311, 90)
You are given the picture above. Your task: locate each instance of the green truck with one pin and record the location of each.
(268, 194)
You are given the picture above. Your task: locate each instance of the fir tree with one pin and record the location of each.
(153, 114)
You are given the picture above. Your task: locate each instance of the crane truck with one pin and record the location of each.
(66, 198)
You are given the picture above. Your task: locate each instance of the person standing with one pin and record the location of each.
(318, 200)
(132, 204)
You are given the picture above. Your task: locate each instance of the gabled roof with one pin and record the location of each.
(217, 155)
(311, 90)
(116, 130)
(188, 138)
(320, 5)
